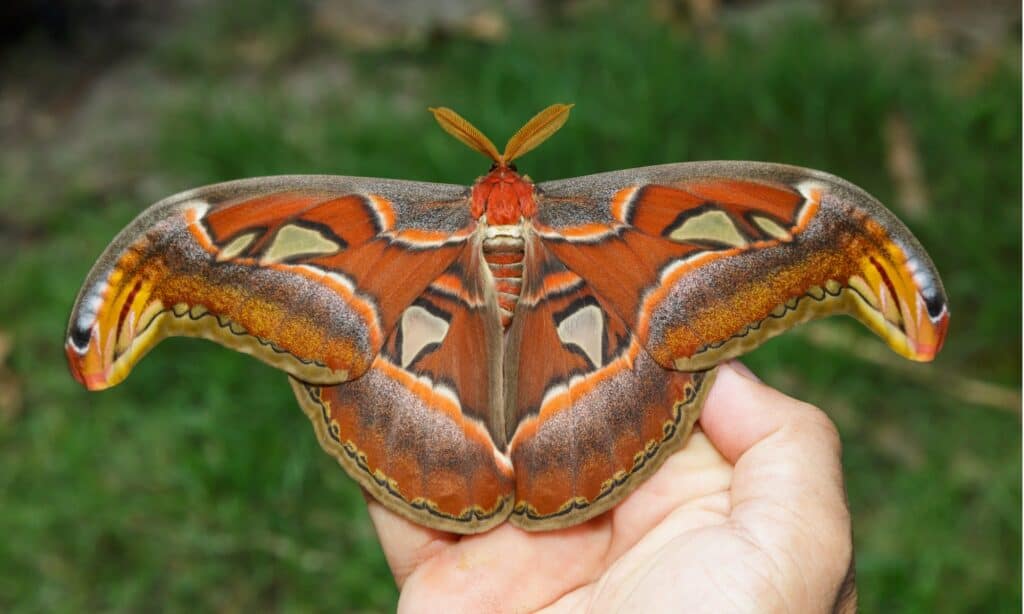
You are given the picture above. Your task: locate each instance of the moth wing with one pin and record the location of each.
(419, 429)
(705, 261)
(589, 413)
(307, 273)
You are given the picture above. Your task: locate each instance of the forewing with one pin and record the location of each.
(420, 430)
(704, 261)
(307, 273)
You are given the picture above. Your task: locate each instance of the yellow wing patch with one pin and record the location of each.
(772, 228)
(236, 246)
(292, 240)
(715, 226)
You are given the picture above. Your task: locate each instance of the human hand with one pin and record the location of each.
(750, 516)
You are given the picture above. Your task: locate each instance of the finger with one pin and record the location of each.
(406, 545)
(741, 411)
(787, 494)
(743, 370)
(693, 486)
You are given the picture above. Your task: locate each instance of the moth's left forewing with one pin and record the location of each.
(707, 260)
(307, 273)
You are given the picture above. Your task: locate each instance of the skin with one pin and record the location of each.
(751, 516)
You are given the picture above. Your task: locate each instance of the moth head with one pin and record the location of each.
(533, 133)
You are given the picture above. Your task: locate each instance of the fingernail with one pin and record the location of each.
(744, 370)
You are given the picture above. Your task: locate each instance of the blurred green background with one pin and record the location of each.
(199, 484)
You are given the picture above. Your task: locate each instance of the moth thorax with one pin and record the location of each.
(503, 251)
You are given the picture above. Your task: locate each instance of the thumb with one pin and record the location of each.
(787, 492)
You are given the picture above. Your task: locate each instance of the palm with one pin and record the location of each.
(700, 534)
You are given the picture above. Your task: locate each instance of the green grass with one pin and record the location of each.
(198, 483)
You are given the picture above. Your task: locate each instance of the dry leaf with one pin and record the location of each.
(10, 385)
(905, 168)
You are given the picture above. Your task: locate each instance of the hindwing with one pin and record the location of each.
(418, 430)
(589, 412)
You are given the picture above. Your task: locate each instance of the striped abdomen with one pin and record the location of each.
(503, 252)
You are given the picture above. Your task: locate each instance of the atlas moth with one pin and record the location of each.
(510, 350)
